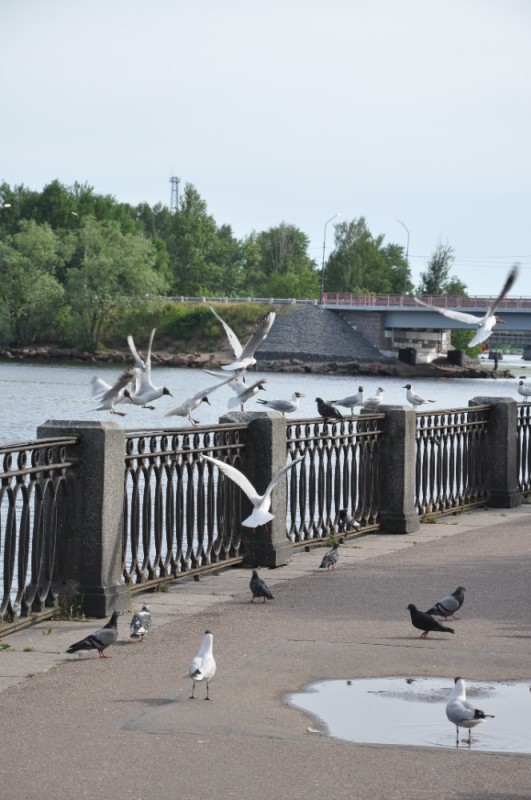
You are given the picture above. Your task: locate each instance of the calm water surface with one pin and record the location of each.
(30, 394)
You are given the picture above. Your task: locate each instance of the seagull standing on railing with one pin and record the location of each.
(376, 400)
(144, 391)
(415, 399)
(524, 389)
(484, 324)
(350, 402)
(244, 355)
(284, 406)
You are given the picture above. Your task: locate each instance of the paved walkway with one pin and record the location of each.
(125, 728)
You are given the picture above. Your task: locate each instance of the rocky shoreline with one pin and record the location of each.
(442, 368)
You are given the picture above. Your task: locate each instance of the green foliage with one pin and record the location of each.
(436, 279)
(460, 339)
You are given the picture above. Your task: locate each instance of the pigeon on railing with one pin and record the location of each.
(326, 410)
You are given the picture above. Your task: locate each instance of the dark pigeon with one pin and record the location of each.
(326, 410)
(99, 640)
(346, 521)
(448, 606)
(425, 622)
(259, 588)
(330, 558)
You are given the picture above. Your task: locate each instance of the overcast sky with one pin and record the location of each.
(287, 110)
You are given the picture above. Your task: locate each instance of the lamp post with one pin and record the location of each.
(324, 249)
(407, 254)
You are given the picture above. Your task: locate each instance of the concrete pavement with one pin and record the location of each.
(125, 728)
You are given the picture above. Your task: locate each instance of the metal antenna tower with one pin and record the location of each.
(174, 202)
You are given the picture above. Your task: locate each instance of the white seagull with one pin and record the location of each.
(415, 399)
(243, 392)
(203, 666)
(186, 408)
(350, 402)
(524, 389)
(244, 355)
(108, 396)
(284, 406)
(461, 713)
(261, 502)
(486, 323)
(375, 401)
(144, 391)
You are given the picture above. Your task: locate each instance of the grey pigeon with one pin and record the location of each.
(99, 640)
(425, 622)
(346, 521)
(141, 623)
(448, 606)
(461, 713)
(259, 588)
(326, 410)
(330, 559)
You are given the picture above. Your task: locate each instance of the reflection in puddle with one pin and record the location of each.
(411, 711)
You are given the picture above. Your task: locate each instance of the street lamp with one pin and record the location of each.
(407, 254)
(324, 249)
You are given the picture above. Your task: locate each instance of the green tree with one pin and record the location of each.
(284, 268)
(437, 279)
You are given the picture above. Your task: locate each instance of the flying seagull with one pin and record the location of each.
(350, 402)
(203, 666)
(415, 399)
(284, 406)
(425, 622)
(144, 391)
(484, 324)
(243, 392)
(326, 410)
(108, 396)
(186, 408)
(449, 605)
(461, 713)
(376, 400)
(261, 502)
(330, 558)
(244, 355)
(259, 588)
(140, 623)
(99, 640)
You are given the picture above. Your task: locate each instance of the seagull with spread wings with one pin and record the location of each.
(244, 354)
(144, 392)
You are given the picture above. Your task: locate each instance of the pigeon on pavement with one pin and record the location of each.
(461, 713)
(203, 666)
(99, 640)
(415, 399)
(425, 622)
(330, 559)
(448, 606)
(259, 588)
(141, 623)
(326, 410)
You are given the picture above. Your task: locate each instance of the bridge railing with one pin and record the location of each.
(408, 301)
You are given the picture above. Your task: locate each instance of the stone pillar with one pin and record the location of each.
(95, 513)
(265, 454)
(501, 451)
(397, 471)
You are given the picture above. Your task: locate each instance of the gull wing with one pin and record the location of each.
(258, 334)
(211, 389)
(279, 475)
(231, 336)
(511, 277)
(124, 379)
(470, 319)
(238, 477)
(139, 362)
(99, 387)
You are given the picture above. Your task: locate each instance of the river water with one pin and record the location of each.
(30, 394)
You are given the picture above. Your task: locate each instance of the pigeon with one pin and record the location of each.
(259, 588)
(330, 558)
(425, 622)
(141, 623)
(261, 502)
(203, 666)
(326, 410)
(285, 406)
(99, 640)
(346, 521)
(244, 355)
(350, 402)
(108, 396)
(144, 391)
(186, 408)
(415, 399)
(376, 400)
(448, 606)
(461, 713)
(484, 324)
(524, 389)
(244, 392)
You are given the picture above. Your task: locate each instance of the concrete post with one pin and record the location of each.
(268, 545)
(397, 471)
(501, 451)
(95, 512)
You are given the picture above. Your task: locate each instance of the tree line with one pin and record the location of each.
(73, 262)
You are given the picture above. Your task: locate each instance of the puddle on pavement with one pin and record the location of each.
(411, 711)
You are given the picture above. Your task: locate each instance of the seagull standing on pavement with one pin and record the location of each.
(449, 605)
(144, 391)
(259, 588)
(462, 713)
(425, 622)
(350, 402)
(244, 355)
(108, 396)
(243, 392)
(484, 324)
(203, 666)
(372, 403)
(326, 410)
(415, 399)
(261, 502)
(99, 640)
(140, 623)
(330, 559)
(186, 408)
(284, 406)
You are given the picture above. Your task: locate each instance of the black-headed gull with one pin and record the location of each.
(425, 622)
(415, 399)
(261, 502)
(449, 605)
(144, 391)
(186, 408)
(203, 666)
(376, 400)
(462, 713)
(99, 640)
(244, 355)
(259, 588)
(330, 559)
(484, 324)
(524, 388)
(351, 401)
(327, 411)
(243, 392)
(140, 623)
(108, 395)
(284, 406)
